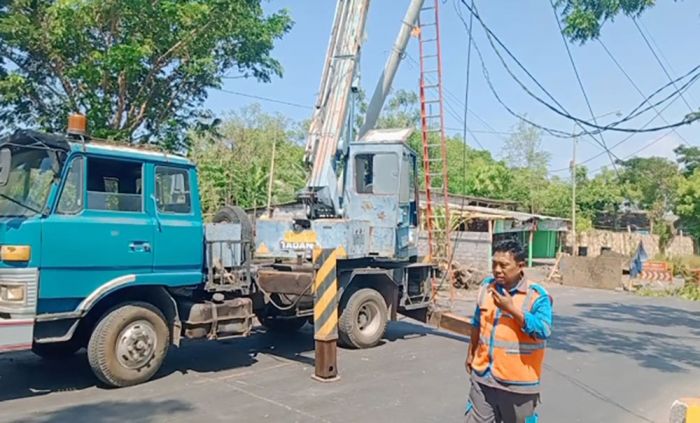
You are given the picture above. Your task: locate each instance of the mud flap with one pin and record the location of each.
(16, 334)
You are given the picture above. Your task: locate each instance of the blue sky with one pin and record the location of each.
(530, 31)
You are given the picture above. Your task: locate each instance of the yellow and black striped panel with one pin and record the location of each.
(326, 293)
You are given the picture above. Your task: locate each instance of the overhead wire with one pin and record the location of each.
(624, 140)
(663, 56)
(580, 84)
(268, 99)
(451, 109)
(658, 60)
(644, 147)
(559, 109)
(659, 113)
(636, 87)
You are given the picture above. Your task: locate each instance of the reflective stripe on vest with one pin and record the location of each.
(513, 356)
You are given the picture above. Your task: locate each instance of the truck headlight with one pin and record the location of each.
(12, 293)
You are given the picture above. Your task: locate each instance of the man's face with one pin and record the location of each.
(506, 269)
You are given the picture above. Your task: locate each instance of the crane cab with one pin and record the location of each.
(379, 206)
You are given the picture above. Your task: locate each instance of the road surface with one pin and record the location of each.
(614, 357)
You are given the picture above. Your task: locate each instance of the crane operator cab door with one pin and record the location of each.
(382, 192)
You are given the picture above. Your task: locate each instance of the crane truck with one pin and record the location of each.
(105, 247)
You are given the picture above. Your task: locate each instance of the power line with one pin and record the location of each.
(663, 56)
(271, 100)
(646, 40)
(636, 87)
(659, 113)
(644, 147)
(624, 140)
(580, 84)
(466, 90)
(459, 103)
(451, 110)
(560, 109)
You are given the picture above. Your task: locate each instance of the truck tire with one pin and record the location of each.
(235, 214)
(363, 321)
(56, 350)
(129, 344)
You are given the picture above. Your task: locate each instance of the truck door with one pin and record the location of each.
(179, 235)
(99, 231)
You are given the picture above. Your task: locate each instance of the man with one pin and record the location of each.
(513, 318)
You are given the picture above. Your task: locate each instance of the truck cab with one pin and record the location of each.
(93, 234)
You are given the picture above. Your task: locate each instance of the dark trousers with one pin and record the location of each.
(492, 405)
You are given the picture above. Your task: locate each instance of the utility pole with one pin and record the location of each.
(574, 251)
(574, 246)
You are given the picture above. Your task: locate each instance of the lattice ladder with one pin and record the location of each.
(437, 212)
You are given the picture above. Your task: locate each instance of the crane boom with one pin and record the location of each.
(330, 116)
(328, 125)
(392, 64)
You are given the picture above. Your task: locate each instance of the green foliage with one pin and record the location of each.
(688, 157)
(523, 149)
(602, 193)
(235, 168)
(688, 203)
(584, 19)
(139, 69)
(652, 182)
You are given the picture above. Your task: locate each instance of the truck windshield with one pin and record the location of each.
(28, 183)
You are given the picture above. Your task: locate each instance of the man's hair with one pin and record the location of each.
(510, 246)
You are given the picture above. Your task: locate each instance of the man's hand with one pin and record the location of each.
(504, 302)
(468, 364)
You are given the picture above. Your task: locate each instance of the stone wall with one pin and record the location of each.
(472, 249)
(626, 243)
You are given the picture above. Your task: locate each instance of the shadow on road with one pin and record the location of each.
(645, 340)
(25, 375)
(112, 412)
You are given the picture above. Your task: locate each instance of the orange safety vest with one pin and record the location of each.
(513, 356)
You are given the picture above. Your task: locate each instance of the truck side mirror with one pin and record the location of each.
(5, 164)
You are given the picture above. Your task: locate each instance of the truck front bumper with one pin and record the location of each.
(18, 300)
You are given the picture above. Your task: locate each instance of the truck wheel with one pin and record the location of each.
(129, 345)
(56, 350)
(235, 214)
(363, 320)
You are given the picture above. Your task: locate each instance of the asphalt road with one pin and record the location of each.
(614, 358)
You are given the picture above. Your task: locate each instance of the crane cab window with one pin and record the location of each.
(114, 185)
(376, 173)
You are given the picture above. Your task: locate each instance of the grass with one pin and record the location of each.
(690, 291)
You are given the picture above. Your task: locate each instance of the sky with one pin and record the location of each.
(529, 30)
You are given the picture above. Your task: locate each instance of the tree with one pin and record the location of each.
(139, 69)
(652, 182)
(235, 168)
(688, 203)
(688, 157)
(523, 149)
(584, 19)
(401, 111)
(528, 162)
